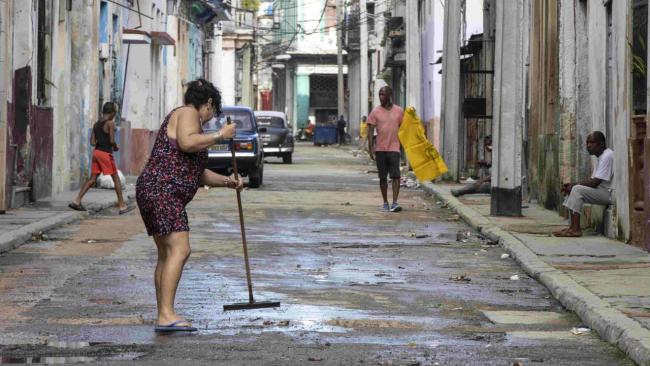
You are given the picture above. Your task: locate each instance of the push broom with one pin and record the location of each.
(251, 304)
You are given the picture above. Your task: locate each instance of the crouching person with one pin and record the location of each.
(596, 190)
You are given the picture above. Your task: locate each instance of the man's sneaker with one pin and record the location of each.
(385, 208)
(395, 207)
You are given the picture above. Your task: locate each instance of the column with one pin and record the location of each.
(413, 59)
(353, 121)
(302, 99)
(509, 108)
(450, 98)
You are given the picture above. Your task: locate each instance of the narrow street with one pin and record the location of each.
(357, 286)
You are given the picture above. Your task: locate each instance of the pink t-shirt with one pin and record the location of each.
(387, 122)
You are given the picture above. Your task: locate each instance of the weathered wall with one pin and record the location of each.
(83, 109)
(5, 55)
(431, 80)
(75, 67)
(620, 113)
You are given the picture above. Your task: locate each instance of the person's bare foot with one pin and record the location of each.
(124, 209)
(568, 234)
(561, 231)
(173, 319)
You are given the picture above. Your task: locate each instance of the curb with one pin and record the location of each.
(612, 325)
(15, 238)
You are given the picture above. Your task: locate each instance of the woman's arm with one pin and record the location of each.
(189, 135)
(213, 179)
(93, 140)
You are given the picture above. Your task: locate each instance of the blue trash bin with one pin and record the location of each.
(324, 135)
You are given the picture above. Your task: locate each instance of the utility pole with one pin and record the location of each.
(339, 55)
(363, 69)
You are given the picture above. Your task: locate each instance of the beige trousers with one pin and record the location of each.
(583, 194)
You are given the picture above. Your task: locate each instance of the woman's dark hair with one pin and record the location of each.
(109, 108)
(199, 91)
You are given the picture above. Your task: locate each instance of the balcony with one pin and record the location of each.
(351, 32)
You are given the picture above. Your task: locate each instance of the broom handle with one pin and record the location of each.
(241, 222)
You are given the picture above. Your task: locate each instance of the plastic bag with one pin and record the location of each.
(424, 157)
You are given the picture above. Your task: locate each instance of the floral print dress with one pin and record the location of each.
(168, 183)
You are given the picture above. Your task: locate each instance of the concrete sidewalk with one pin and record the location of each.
(18, 225)
(605, 282)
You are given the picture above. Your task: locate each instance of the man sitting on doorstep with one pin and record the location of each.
(596, 190)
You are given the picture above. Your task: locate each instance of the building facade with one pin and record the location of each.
(61, 60)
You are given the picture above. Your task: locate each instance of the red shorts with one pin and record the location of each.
(103, 162)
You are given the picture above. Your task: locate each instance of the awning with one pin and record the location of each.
(135, 36)
(162, 39)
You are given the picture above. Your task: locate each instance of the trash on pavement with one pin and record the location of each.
(580, 330)
(39, 236)
(453, 217)
(91, 241)
(283, 323)
(514, 278)
(315, 359)
(505, 255)
(463, 236)
(419, 236)
(460, 278)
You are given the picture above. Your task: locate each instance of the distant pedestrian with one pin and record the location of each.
(386, 119)
(595, 190)
(169, 181)
(340, 129)
(363, 134)
(103, 139)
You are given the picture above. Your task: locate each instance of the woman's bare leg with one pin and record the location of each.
(162, 256)
(177, 250)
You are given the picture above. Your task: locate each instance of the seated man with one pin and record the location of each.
(596, 190)
(483, 185)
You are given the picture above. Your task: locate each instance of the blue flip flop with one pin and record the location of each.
(174, 327)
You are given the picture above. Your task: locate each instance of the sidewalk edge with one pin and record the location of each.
(14, 238)
(612, 325)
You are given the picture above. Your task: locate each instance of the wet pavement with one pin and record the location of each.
(357, 286)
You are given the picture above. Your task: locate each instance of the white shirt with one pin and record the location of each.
(605, 168)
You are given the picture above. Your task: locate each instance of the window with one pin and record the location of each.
(268, 121)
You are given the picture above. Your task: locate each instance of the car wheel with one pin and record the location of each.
(255, 178)
(287, 158)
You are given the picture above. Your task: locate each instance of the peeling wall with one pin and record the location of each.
(620, 113)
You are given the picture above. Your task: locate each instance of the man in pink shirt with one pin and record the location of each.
(386, 119)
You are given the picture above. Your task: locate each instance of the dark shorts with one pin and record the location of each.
(387, 164)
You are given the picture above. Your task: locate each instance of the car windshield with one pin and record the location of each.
(268, 121)
(241, 118)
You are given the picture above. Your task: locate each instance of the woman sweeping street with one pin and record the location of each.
(169, 181)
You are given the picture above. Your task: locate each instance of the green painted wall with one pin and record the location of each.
(302, 99)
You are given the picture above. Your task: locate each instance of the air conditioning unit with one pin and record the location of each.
(103, 51)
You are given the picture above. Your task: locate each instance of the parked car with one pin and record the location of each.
(247, 144)
(275, 132)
